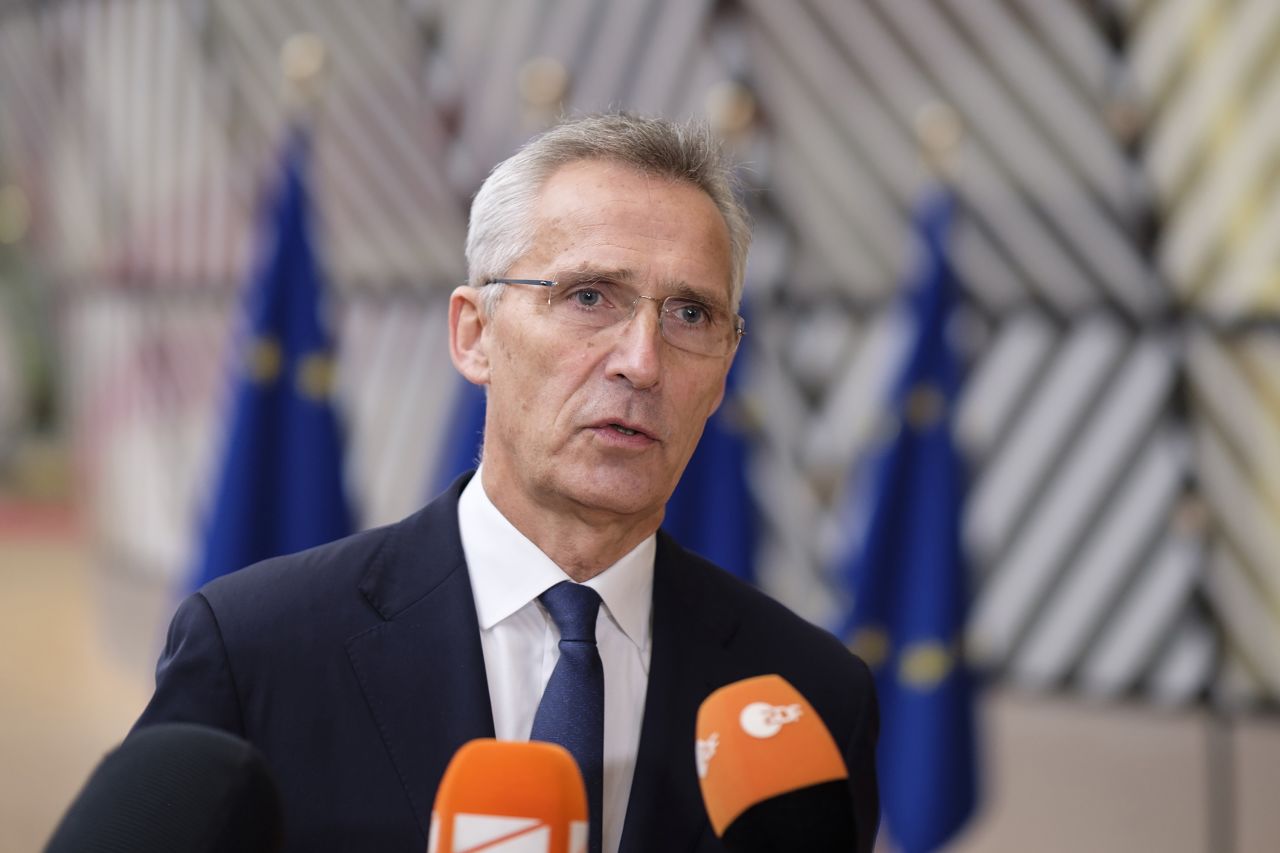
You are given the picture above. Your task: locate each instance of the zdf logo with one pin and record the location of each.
(762, 720)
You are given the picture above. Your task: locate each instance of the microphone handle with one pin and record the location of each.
(817, 819)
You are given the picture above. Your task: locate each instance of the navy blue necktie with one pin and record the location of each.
(571, 712)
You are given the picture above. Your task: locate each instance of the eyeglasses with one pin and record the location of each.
(685, 322)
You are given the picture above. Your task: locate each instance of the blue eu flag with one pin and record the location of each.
(463, 436)
(280, 487)
(908, 577)
(711, 511)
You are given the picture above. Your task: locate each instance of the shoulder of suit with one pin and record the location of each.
(319, 578)
(758, 615)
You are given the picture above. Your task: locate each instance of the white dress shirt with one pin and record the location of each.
(520, 641)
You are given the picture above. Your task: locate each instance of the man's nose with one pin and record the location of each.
(637, 352)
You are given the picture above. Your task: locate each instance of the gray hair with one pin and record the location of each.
(502, 214)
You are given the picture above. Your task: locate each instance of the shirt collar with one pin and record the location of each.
(508, 571)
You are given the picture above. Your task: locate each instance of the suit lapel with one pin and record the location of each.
(422, 668)
(690, 632)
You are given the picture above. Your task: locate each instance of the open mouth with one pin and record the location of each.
(620, 428)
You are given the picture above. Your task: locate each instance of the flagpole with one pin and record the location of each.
(281, 484)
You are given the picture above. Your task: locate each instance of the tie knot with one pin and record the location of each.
(574, 608)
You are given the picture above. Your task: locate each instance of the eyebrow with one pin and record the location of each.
(585, 273)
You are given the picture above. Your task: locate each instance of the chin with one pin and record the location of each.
(617, 492)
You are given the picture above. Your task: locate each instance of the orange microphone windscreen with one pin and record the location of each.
(505, 797)
(756, 739)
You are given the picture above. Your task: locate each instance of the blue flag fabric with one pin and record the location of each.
(908, 578)
(280, 488)
(711, 511)
(463, 436)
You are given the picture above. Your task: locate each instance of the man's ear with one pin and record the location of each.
(467, 343)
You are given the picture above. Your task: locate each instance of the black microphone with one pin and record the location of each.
(175, 787)
(773, 779)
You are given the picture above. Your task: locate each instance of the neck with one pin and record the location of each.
(582, 541)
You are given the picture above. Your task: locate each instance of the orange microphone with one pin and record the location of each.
(506, 797)
(772, 776)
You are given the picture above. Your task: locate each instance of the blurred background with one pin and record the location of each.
(1115, 235)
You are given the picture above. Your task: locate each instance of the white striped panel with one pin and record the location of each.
(248, 58)
(1260, 356)
(817, 350)
(1018, 583)
(803, 134)
(863, 214)
(364, 240)
(369, 115)
(115, 123)
(985, 273)
(1103, 249)
(705, 71)
(1248, 618)
(1099, 572)
(489, 130)
(984, 191)
(1200, 221)
(31, 104)
(362, 332)
(1077, 129)
(789, 509)
(890, 148)
(383, 43)
(1248, 281)
(172, 205)
(676, 36)
(1180, 130)
(1161, 44)
(204, 201)
(990, 395)
(1186, 665)
(566, 29)
(1236, 688)
(800, 192)
(132, 52)
(1048, 269)
(396, 375)
(40, 123)
(611, 60)
(892, 153)
(469, 41)
(771, 261)
(856, 406)
(787, 414)
(785, 562)
(1007, 484)
(1241, 415)
(1141, 623)
(1239, 511)
(1077, 43)
(824, 186)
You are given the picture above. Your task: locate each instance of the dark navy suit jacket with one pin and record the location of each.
(356, 669)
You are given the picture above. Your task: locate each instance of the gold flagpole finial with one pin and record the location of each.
(304, 59)
(940, 133)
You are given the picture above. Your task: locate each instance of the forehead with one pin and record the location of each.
(599, 214)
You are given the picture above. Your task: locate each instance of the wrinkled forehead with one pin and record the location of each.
(593, 214)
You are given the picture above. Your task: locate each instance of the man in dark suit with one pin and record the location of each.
(606, 263)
